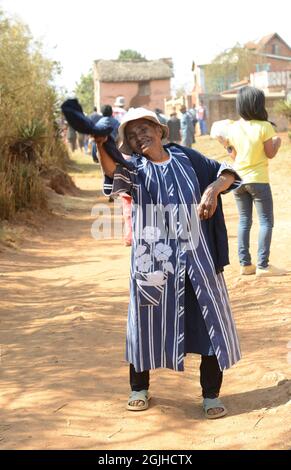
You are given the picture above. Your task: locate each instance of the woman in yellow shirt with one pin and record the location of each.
(251, 143)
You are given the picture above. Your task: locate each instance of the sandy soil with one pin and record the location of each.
(63, 317)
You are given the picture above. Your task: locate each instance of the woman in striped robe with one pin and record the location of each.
(178, 298)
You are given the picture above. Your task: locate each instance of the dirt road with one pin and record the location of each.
(63, 317)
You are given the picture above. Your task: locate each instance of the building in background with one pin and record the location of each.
(272, 54)
(145, 83)
(269, 68)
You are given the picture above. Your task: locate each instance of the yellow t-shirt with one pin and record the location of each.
(248, 137)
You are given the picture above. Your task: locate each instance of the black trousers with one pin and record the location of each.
(210, 377)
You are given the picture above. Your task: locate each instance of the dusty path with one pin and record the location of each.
(63, 316)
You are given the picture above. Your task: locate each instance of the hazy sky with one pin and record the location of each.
(77, 33)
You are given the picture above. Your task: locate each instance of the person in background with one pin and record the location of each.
(174, 126)
(126, 200)
(201, 116)
(86, 144)
(161, 117)
(119, 108)
(71, 138)
(252, 142)
(193, 113)
(81, 141)
(108, 119)
(163, 120)
(187, 129)
(95, 117)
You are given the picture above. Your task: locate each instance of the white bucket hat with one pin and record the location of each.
(119, 101)
(132, 115)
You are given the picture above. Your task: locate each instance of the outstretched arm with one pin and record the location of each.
(107, 162)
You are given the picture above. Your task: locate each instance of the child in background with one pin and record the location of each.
(126, 212)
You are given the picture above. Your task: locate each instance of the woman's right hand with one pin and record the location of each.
(100, 140)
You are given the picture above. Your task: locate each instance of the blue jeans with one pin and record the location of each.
(203, 126)
(94, 153)
(261, 195)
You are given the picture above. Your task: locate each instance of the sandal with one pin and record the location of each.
(141, 396)
(209, 404)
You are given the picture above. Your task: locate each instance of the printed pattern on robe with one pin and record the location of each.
(168, 239)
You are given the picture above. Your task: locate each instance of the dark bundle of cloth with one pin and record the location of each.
(74, 115)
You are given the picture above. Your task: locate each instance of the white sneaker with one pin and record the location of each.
(249, 269)
(270, 271)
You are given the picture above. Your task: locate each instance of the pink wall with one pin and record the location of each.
(109, 91)
(159, 90)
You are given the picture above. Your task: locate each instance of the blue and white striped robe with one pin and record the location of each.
(160, 260)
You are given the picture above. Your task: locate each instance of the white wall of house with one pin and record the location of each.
(265, 80)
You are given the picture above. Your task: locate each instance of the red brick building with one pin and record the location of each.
(270, 70)
(272, 52)
(144, 83)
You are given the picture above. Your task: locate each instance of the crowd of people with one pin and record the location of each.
(182, 130)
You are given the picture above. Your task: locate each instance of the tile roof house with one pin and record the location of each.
(142, 82)
(274, 53)
(270, 70)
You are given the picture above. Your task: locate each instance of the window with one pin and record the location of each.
(262, 67)
(275, 49)
(144, 88)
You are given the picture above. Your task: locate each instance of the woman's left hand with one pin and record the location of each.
(208, 203)
(223, 141)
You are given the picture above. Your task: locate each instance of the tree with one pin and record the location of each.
(29, 133)
(130, 54)
(228, 67)
(284, 108)
(85, 92)
(181, 91)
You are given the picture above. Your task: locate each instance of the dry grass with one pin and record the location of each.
(20, 187)
(29, 135)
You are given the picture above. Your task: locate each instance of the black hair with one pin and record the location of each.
(250, 104)
(106, 110)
